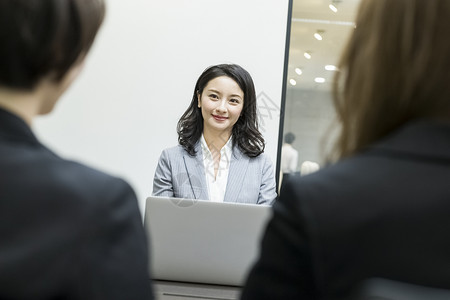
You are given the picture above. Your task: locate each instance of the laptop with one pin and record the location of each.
(203, 242)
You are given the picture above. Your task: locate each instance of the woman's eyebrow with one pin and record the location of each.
(213, 90)
(218, 92)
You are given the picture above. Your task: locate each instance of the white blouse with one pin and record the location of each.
(216, 186)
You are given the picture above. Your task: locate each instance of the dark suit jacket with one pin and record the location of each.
(382, 213)
(66, 231)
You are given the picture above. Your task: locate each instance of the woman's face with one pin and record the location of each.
(221, 102)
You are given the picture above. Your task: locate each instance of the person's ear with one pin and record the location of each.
(199, 100)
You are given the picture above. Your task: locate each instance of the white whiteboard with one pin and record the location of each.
(139, 78)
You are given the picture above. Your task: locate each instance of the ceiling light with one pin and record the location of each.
(331, 68)
(307, 55)
(298, 71)
(319, 79)
(333, 8)
(318, 34)
(292, 81)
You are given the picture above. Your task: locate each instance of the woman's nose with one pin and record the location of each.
(222, 106)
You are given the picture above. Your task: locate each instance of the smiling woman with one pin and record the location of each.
(220, 152)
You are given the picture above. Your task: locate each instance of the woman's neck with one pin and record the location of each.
(21, 103)
(216, 139)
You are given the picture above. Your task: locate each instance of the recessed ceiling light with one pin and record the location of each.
(318, 34)
(333, 8)
(319, 79)
(292, 81)
(307, 55)
(298, 71)
(331, 68)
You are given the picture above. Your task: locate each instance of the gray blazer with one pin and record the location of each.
(180, 175)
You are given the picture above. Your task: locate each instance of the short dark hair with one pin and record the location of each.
(289, 138)
(245, 132)
(44, 37)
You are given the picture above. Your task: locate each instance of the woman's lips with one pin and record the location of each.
(219, 118)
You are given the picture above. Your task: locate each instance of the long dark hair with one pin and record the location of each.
(245, 132)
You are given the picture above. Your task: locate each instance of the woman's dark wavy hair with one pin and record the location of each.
(245, 132)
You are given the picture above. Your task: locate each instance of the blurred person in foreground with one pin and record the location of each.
(66, 231)
(383, 209)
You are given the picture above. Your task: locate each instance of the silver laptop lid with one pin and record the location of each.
(203, 241)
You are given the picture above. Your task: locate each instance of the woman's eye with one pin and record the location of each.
(234, 101)
(213, 96)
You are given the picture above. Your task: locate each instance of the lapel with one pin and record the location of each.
(236, 174)
(196, 173)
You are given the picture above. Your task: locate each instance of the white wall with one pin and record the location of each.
(140, 75)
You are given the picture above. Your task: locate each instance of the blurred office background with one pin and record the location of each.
(319, 30)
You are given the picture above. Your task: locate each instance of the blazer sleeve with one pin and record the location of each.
(162, 181)
(267, 190)
(284, 267)
(113, 261)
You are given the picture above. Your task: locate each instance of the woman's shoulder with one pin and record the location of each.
(173, 151)
(262, 158)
